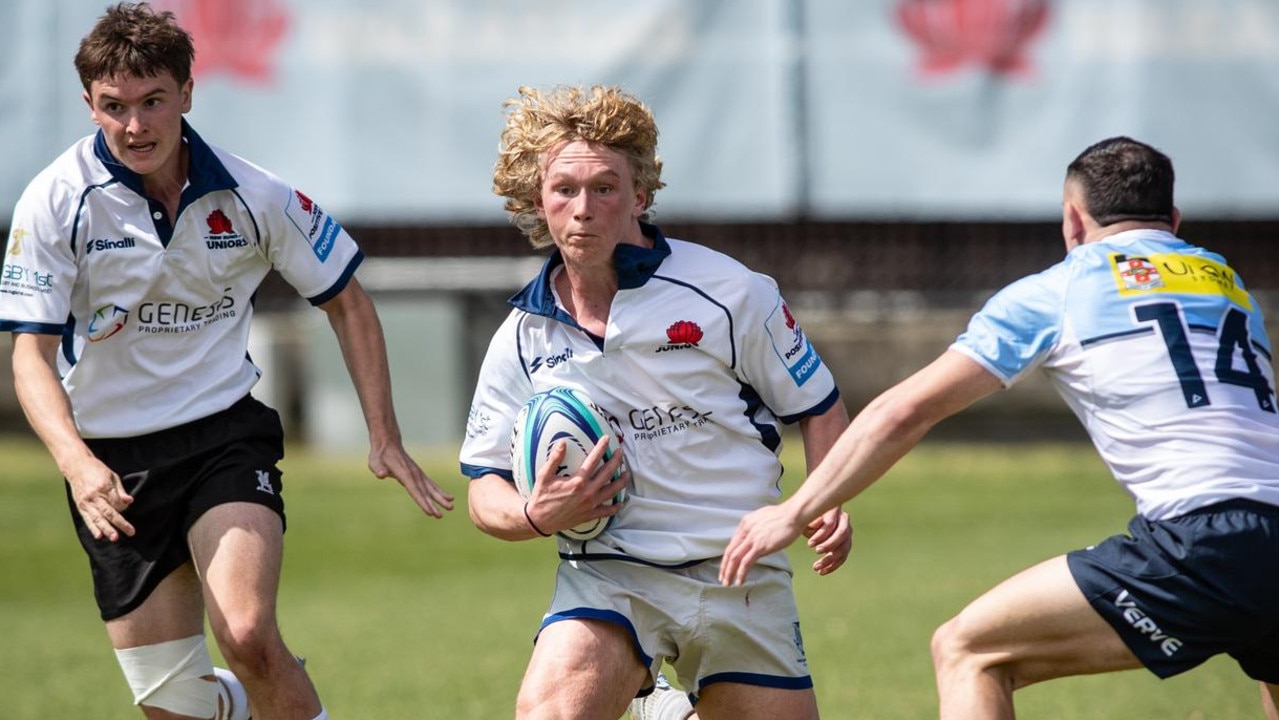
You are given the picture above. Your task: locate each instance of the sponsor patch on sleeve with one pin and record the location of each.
(320, 230)
(20, 278)
(791, 344)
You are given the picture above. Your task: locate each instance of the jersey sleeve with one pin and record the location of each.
(777, 358)
(1018, 326)
(39, 261)
(307, 246)
(501, 390)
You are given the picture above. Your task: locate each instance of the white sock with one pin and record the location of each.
(324, 715)
(672, 705)
(233, 702)
(663, 704)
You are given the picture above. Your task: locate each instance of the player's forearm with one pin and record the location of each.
(498, 510)
(359, 334)
(876, 439)
(821, 432)
(48, 410)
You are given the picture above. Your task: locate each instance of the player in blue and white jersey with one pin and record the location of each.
(128, 285)
(1163, 355)
(698, 363)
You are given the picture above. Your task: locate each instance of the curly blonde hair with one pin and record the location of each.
(537, 122)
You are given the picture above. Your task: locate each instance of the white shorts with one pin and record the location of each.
(709, 633)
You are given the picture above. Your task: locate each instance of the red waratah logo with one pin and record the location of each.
(684, 332)
(304, 202)
(790, 319)
(237, 37)
(991, 34)
(220, 224)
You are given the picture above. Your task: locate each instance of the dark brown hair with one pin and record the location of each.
(1123, 179)
(132, 39)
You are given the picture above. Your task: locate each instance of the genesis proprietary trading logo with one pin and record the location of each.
(107, 321)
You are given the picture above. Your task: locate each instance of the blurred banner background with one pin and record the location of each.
(890, 162)
(388, 111)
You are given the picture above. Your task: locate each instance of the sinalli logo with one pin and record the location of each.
(550, 361)
(104, 244)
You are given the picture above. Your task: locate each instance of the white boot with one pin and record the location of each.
(664, 703)
(233, 703)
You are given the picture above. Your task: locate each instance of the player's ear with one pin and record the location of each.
(1073, 225)
(88, 100)
(1176, 219)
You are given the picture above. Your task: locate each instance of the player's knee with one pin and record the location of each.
(176, 676)
(250, 648)
(951, 648)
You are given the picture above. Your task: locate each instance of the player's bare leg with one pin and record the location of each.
(1035, 626)
(1270, 700)
(238, 548)
(734, 701)
(580, 669)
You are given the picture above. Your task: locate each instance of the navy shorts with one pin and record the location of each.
(174, 476)
(1180, 591)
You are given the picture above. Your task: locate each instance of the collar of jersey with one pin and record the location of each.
(206, 174)
(635, 265)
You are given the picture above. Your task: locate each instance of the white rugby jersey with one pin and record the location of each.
(1161, 353)
(701, 364)
(154, 311)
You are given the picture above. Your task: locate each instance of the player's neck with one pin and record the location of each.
(165, 186)
(587, 297)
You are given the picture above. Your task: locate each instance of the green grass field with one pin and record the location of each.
(401, 616)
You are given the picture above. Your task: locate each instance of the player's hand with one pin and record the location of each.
(762, 532)
(565, 497)
(100, 498)
(395, 462)
(831, 536)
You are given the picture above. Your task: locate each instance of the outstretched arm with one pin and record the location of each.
(877, 438)
(359, 333)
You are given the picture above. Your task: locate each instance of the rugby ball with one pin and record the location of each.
(549, 417)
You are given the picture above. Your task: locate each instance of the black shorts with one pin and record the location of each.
(1180, 591)
(174, 476)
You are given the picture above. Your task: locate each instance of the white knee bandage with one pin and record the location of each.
(173, 676)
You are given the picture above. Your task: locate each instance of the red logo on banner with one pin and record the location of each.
(991, 34)
(236, 37)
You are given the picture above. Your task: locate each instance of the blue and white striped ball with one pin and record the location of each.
(566, 414)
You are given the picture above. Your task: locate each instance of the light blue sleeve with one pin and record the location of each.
(1018, 326)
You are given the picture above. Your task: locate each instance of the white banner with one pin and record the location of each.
(388, 111)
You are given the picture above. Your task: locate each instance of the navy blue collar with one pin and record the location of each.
(635, 264)
(205, 174)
